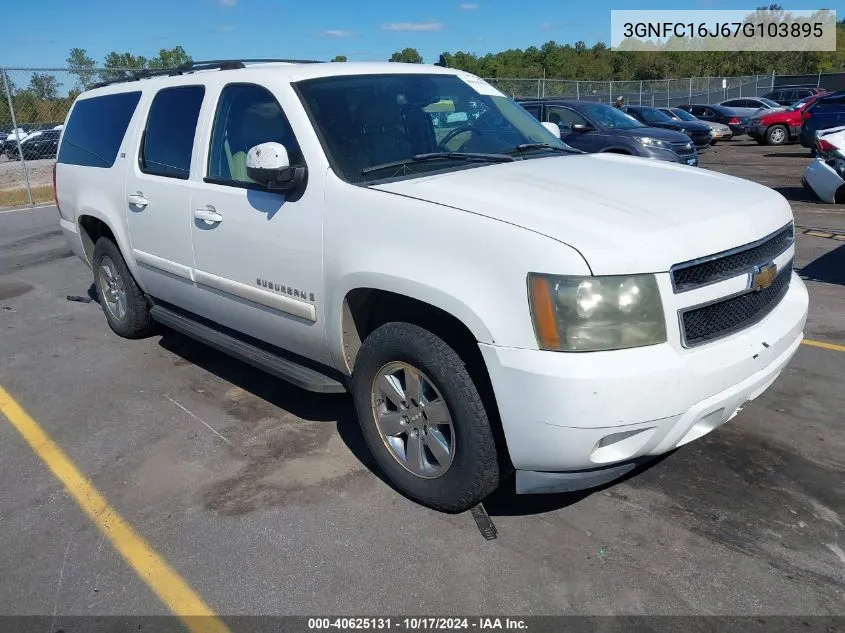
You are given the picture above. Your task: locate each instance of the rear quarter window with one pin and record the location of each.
(96, 128)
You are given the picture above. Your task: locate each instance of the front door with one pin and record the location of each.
(590, 141)
(158, 196)
(258, 253)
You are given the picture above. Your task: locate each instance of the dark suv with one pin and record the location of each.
(700, 133)
(826, 112)
(598, 127)
(716, 114)
(787, 95)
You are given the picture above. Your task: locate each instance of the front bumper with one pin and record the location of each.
(577, 413)
(669, 155)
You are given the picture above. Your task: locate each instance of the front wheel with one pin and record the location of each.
(423, 418)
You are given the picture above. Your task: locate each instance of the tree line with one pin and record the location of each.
(45, 98)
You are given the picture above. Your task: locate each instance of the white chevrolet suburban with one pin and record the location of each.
(494, 300)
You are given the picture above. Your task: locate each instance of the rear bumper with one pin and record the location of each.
(582, 414)
(71, 233)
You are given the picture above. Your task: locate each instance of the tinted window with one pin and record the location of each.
(735, 103)
(533, 110)
(169, 138)
(95, 130)
(651, 115)
(247, 115)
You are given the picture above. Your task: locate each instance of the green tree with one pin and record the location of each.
(120, 65)
(407, 56)
(339, 58)
(169, 58)
(44, 86)
(81, 65)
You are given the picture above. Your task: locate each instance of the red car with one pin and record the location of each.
(780, 126)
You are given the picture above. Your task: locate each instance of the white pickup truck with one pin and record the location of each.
(494, 300)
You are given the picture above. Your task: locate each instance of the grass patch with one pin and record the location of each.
(18, 197)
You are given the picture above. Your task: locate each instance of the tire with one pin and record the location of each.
(777, 135)
(133, 319)
(473, 471)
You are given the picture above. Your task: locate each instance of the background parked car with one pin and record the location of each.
(826, 112)
(598, 127)
(716, 114)
(720, 131)
(40, 144)
(780, 126)
(699, 132)
(789, 95)
(749, 107)
(11, 139)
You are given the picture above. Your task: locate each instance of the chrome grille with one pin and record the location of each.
(694, 274)
(702, 324)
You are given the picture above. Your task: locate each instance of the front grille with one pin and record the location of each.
(715, 320)
(682, 149)
(691, 275)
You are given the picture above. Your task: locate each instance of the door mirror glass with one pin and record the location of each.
(552, 127)
(580, 128)
(268, 165)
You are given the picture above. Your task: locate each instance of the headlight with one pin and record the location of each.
(653, 142)
(588, 314)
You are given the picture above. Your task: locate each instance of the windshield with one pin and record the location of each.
(653, 115)
(770, 103)
(608, 116)
(368, 121)
(683, 115)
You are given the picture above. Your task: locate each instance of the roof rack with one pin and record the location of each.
(194, 66)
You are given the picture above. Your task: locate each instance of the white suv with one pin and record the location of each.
(493, 299)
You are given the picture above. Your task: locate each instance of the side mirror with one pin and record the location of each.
(580, 128)
(268, 165)
(552, 127)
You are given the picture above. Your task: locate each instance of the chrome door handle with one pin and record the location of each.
(137, 199)
(208, 214)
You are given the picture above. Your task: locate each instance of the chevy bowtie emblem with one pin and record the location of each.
(763, 276)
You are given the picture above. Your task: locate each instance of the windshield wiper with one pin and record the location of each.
(527, 147)
(419, 158)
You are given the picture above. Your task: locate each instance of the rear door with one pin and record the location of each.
(158, 198)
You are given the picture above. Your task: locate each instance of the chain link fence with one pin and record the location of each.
(658, 92)
(34, 103)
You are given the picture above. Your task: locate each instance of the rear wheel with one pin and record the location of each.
(123, 302)
(777, 135)
(423, 418)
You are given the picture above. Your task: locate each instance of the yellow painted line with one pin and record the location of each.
(839, 237)
(831, 346)
(165, 582)
(818, 233)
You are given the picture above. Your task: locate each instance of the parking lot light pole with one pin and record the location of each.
(17, 136)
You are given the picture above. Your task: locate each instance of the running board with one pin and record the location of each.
(284, 368)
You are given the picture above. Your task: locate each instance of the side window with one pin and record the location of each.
(247, 115)
(96, 128)
(707, 112)
(168, 140)
(533, 110)
(566, 118)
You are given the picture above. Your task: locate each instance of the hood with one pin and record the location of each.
(622, 213)
(686, 126)
(661, 134)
